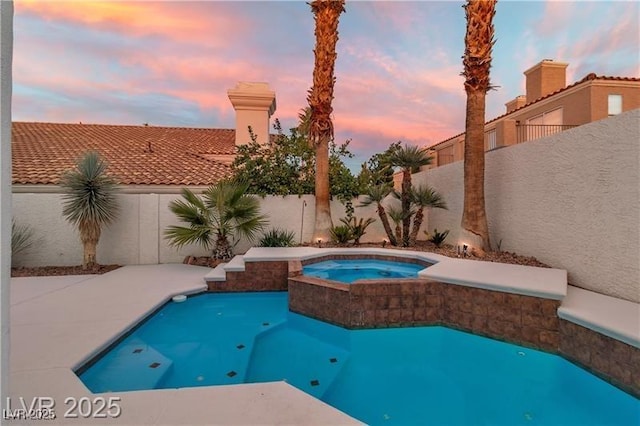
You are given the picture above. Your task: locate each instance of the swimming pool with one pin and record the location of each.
(348, 271)
(402, 376)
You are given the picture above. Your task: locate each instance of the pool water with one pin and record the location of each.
(402, 376)
(348, 271)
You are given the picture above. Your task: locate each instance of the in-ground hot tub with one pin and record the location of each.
(348, 271)
(364, 291)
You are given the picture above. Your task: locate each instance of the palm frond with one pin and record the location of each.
(425, 196)
(179, 236)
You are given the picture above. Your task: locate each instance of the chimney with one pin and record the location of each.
(516, 103)
(254, 104)
(544, 78)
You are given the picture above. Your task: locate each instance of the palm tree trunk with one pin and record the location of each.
(327, 14)
(323, 223)
(477, 63)
(406, 206)
(222, 249)
(474, 217)
(385, 223)
(417, 223)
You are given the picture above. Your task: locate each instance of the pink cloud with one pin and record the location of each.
(195, 22)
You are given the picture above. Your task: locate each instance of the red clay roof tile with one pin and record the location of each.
(136, 155)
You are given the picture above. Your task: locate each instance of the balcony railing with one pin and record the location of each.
(528, 132)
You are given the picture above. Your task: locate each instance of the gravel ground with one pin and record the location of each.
(445, 250)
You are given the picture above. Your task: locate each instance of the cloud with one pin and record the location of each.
(398, 67)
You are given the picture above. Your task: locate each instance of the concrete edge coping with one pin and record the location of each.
(216, 274)
(546, 283)
(266, 254)
(135, 322)
(613, 317)
(236, 264)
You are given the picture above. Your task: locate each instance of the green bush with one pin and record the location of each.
(341, 234)
(278, 238)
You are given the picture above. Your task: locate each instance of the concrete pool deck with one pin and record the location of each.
(58, 323)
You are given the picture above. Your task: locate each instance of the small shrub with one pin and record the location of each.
(357, 227)
(277, 238)
(438, 238)
(341, 234)
(21, 238)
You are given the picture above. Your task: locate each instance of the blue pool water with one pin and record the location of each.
(404, 376)
(348, 271)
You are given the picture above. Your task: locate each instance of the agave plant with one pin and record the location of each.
(218, 219)
(357, 227)
(278, 238)
(89, 202)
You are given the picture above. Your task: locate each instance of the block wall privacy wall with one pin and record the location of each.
(571, 200)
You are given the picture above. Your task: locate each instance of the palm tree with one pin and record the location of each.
(478, 43)
(423, 197)
(409, 158)
(397, 216)
(225, 212)
(376, 194)
(326, 14)
(89, 202)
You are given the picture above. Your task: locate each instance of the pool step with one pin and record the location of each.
(301, 360)
(219, 273)
(216, 274)
(135, 366)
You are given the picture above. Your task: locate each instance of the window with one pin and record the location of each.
(615, 104)
(543, 125)
(491, 139)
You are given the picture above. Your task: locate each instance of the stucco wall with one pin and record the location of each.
(137, 236)
(572, 200)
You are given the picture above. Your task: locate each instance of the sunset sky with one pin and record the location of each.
(398, 68)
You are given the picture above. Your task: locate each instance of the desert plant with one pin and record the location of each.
(409, 158)
(326, 15)
(437, 238)
(397, 215)
(277, 238)
(89, 202)
(478, 45)
(376, 194)
(341, 234)
(357, 227)
(224, 212)
(423, 197)
(22, 239)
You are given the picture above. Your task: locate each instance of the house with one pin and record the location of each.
(141, 156)
(549, 106)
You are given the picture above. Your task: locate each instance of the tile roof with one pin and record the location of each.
(136, 155)
(588, 77)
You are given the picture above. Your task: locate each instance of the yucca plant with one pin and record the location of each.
(278, 238)
(21, 239)
(89, 202)
(223, 215)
